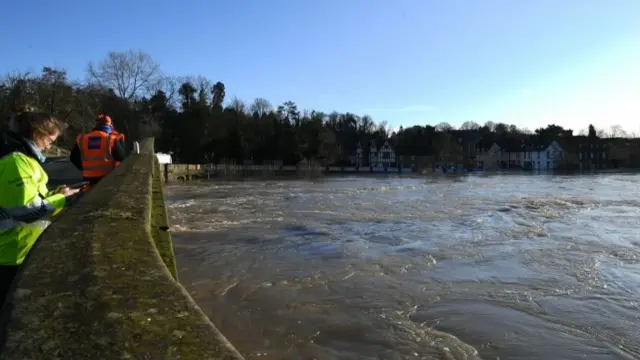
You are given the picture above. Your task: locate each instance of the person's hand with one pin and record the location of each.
(67, 191)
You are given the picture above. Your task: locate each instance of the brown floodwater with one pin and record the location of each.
(468, 267)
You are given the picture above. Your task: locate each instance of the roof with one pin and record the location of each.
(387, 144)
(484, 143)
(540, 144)
(512, 145)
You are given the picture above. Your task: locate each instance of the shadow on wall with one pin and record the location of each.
(101, 282)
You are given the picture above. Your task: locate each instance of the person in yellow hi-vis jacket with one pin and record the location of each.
(25, 201)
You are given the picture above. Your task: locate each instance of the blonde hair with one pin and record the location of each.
(36, 124)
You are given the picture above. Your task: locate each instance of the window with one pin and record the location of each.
(548, 154)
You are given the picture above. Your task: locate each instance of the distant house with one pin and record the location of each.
(488, 155)
(358, 157)
(373, 154)
(593, 153)
(513, 151)
(537, 155)
(542, 156)
(384, 156)
(468, 148)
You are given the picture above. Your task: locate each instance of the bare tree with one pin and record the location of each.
(54, 93)
(20, 92)
(469, 125)
(238, 105)
(87, 105)
(130, 74)
(501, 128)
(384, 128)
(169, 85)
(261, 106)
(365, 124)
(444, 126)
(490, 125)
(617, 131)
(203, 85)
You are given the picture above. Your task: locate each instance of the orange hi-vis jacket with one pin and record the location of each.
(97, 159)
(119, 137)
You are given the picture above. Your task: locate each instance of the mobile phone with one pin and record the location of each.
(78, 185)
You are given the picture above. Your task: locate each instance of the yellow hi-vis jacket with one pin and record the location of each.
(24, 199)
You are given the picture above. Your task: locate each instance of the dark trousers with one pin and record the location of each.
(7, 274)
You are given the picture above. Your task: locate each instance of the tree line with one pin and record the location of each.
(192, 118)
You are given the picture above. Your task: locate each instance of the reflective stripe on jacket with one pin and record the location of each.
(95, 148)
(24, 199)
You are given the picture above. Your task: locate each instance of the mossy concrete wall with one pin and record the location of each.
(101, 281)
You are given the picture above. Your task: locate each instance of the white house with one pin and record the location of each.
(491, 157)
(386, 155)
(358, 158)
(373, 154)
(543, 156)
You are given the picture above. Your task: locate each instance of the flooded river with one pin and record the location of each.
(471, 267)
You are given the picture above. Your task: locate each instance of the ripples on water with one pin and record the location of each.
(474, 267)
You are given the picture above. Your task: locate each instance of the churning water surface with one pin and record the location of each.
(471, 267)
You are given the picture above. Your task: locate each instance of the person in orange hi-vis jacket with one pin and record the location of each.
(119, 137)
(99, 151)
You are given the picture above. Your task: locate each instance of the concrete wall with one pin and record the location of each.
(101, 281)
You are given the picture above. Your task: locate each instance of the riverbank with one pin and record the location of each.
(199, 173)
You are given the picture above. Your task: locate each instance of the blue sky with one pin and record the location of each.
(526, 62)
